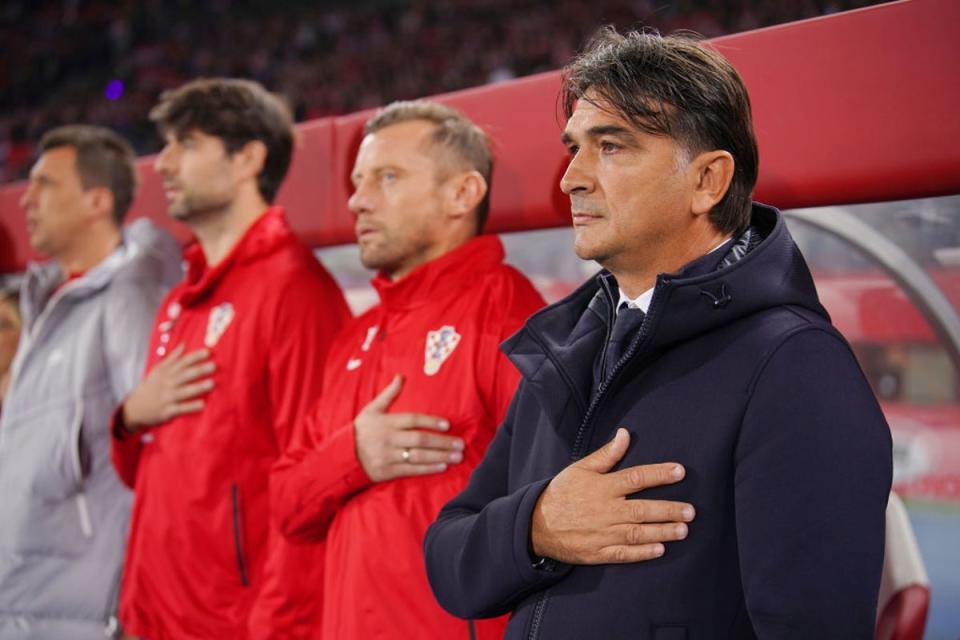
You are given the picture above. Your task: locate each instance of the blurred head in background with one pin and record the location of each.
(78, 193)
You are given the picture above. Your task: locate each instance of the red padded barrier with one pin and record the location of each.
(854, 107)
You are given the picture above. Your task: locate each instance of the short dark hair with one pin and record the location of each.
(466, 143)
(678, 87)
(238, 112)
(104, 159)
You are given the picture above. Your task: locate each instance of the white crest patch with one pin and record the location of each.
(353, 363)
(440, 344)
(219, 320)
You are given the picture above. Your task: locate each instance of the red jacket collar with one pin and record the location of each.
(442, 277)
(268, 232)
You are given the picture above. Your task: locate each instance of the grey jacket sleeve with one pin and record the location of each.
(128, 318)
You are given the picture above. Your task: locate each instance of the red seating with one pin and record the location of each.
(904, 587)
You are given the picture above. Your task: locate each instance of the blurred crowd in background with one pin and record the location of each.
(106, 62)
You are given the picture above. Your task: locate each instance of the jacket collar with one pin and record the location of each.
(269, 232)
(43, 279)
(449, 274)
(698, 298)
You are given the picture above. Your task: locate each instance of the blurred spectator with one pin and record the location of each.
(10, 324)
(86, 316)
(106, 63)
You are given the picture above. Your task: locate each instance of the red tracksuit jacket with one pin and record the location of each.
(202, 559)
(441, 328)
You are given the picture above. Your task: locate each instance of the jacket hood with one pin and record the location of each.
(146, 251)
(452, 272)
(749, 278)
(268, 233)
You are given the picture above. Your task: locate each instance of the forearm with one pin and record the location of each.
(478, 558)
(309, 485)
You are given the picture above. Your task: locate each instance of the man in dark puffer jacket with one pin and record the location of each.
(704, 340)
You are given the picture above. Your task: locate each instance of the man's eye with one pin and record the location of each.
(609, 147)
(388, 176)
(572, 149)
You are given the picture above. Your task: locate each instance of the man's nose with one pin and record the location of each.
(27, 199)
(359, 201)
(578, 177)
(164, 162)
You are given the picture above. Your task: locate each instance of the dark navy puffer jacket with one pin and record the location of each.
(738, 375)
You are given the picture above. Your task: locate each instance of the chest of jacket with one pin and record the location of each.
(683, 403)
(232, 323)
(443, 352)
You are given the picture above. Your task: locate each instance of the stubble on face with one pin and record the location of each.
(397, 200)
(196, 183)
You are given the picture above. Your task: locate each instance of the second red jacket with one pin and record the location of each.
(440, 327)
(202, 559)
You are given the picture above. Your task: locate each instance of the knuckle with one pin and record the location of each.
(635, 535)
(637, 477)
(638, 511)
(620, 554)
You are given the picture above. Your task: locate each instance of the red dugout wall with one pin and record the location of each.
(855, 107)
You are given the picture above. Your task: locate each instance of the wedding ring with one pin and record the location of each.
(405, 455)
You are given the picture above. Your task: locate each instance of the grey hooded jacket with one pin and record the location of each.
(63, 512)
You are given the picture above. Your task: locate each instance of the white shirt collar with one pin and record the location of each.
(641, 302)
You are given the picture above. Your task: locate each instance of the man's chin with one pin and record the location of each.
(585, 250)
(179, 213)
(376, 262)
(38, 245)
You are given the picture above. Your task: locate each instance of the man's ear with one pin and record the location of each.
(464, 192)
(250, 159)
(711, 172)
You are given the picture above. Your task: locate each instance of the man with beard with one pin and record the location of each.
(235, 357)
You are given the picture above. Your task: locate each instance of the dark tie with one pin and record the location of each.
(625, 326)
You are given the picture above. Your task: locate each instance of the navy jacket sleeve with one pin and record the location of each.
(813, 473)
(477, 551)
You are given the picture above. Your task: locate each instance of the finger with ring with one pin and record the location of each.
(405, 454)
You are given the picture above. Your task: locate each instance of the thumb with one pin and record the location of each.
(604, 458)
(385, 398)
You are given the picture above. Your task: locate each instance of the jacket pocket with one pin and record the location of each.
(237, 516)
(43, 508)
(80, 461)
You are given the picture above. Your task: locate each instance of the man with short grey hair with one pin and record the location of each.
(415, 387)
